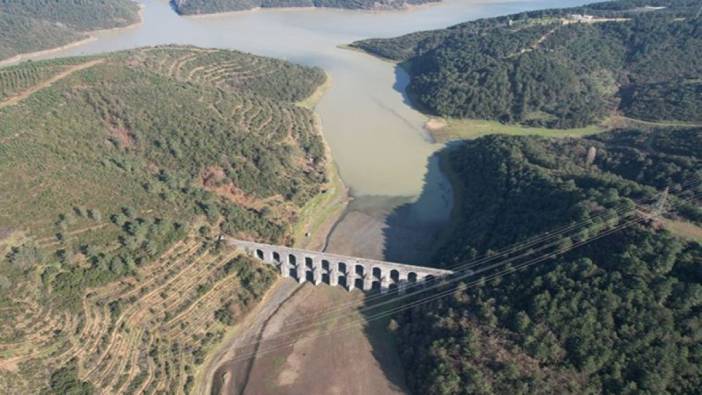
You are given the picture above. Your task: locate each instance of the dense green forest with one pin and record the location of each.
(189, 7)
(121, 174)
(619, 315)
(34, 25)
(676, 100)
(560, 68)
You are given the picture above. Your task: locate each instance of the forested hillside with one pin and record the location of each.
(619, 315)
(34, 25)
(560, 68)
(676, 100)
(118, 174)
(190, 7)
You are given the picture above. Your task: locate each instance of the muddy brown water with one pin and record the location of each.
(382, 151)
(385, 157)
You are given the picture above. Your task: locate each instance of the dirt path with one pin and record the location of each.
(47, 83)
(216, 372)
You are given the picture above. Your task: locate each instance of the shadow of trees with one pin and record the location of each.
(411, 229)
(411, 232)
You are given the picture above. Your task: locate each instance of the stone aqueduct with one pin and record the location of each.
(335, 270)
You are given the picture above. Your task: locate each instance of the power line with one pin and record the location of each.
(559, 234)
(553, 234)
(441, 282)
(443, 294)
(422, 289)
(458, 278)
(414, 304)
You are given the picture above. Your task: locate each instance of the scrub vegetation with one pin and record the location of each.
(620, 315)
(35, 25)
(562, 68)
(118, 174)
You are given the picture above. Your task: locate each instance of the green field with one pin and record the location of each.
(465, 129)
(474, 128)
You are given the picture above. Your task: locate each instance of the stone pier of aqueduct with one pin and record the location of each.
(339, 270)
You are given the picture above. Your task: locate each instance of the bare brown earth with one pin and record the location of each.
(359, 233)
(217, 370)
(339, 357)
(5, 233)
(376, 227)
(435, 124)
(262, 357)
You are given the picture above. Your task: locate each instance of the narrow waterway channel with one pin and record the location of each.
(377, 140)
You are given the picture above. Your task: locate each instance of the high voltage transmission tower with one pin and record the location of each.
(536, 250)
(662, 205)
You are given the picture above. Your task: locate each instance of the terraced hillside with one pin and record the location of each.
(190, 7)
(144, 334)
(35, 25)
(118, 173)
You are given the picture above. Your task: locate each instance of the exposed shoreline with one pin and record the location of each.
(350, 47)
(28, 55)
(90, 36)
(458, 190)
(405, 8)
(321, 213)
(317, 218)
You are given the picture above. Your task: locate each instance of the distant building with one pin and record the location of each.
(581, 17)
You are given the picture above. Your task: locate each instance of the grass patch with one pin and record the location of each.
(683, 229)
(459, 129)
(320, 210)
(621, 122)
(331, 201)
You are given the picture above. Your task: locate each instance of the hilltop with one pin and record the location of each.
(35, 25)
(119, 172)
(561, 68)
(192, 7)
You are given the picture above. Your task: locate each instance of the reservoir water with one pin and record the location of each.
(377, 140)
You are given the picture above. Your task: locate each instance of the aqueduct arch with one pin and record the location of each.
(332, 269)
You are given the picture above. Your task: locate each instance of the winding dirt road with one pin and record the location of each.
(216, 372)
